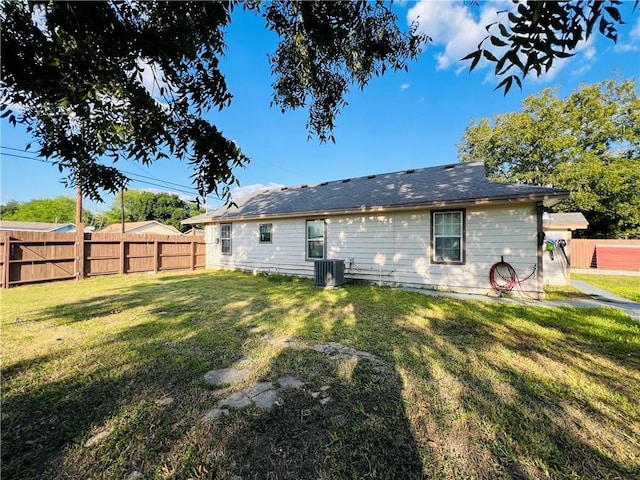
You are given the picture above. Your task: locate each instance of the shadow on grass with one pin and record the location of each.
(466, 393)
(361, 432)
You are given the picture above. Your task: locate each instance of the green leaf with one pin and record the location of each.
(489, 56)
(476, 58)
(506, 83)
(572, 143)
(497, 42)
(614, 13)
(500, 65)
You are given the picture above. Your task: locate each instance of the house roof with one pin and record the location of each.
(34, 226)
(131, 227)
(433, 187)
(566, 221)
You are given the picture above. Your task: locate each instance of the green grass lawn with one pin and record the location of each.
(563, 293)
(471, 389)
(622, 285)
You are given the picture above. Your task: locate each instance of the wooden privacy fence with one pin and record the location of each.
(615, 254)
(30, 257)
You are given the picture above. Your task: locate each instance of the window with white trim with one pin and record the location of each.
(447, 237)
(225, 238)
(265, 233)
(316, 231)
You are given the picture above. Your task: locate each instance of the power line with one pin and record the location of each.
(28, 158)
(164, 183)
(16, 149)
(137, 177)
(123, 171)
(140, 168)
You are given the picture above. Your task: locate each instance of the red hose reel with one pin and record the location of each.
(504, 278)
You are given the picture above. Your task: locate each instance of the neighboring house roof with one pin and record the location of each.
(433, 187)
(150, 226)
(36, 226)
(194, 231)
(565, 221)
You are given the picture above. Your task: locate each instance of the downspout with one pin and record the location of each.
(540, 250)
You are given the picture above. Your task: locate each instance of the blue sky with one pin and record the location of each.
(400, 121)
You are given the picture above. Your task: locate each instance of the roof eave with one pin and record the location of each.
(548, 199)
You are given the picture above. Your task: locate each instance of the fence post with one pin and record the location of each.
(80, 254)
(193, 254)
(123, 258)
(156, 257)
(6, 265)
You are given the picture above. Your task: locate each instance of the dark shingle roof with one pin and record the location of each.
(434, 186)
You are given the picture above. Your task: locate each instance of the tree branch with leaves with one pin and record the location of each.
(535, 34)
(587, 143)
(76, 71)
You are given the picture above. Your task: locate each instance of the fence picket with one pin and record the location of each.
(31, 257)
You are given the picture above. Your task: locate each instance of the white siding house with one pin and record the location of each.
(439, 227)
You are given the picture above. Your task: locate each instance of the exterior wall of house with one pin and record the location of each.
(390, 249)
(556, 270)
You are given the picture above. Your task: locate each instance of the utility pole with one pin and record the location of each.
(79, 230)
(122, 210)
(79, 226)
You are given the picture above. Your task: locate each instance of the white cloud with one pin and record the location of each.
(590, 52)
(16, 108)
(454, 26)
(582, 61)
(635, 32)
(626, 47)
(459, 29)
(39, 19)
(404, 86)
(247, 190)
(634, 44)
(151, 76)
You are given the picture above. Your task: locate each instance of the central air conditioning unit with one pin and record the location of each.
(329, 273)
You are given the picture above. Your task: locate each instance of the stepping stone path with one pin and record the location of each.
(337, 351)
(94, 440)
(265, 395)
(227, 376)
